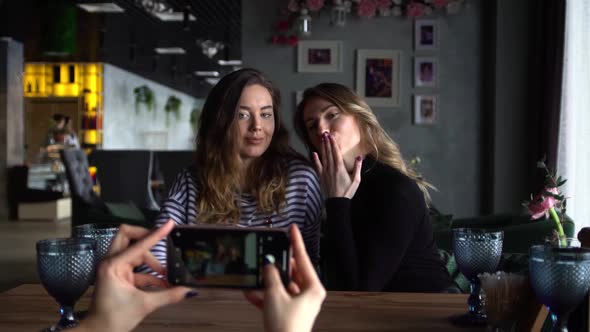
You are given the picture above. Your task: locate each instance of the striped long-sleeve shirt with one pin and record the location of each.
(303, 208)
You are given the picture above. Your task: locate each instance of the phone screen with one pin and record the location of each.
(224, 257)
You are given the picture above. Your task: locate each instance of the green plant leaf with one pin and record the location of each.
(173, 105)
(144, 95)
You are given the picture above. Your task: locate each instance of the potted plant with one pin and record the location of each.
(173, 105)
(194, 119)
(144, 95)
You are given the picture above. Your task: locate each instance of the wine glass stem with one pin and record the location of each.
(475, 300)
(67, 317)
(559, 322)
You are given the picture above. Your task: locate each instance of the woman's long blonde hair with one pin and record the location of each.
(374, 138)
(218, 166)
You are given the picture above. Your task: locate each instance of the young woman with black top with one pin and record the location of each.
(378, 235)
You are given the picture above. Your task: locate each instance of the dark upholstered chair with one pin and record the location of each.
(170, 163)
(124, 176)
(87, 207)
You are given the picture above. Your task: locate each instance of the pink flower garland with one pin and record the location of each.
(415, 9)
(315, 5)
(366, 8)
(293, 6)
(383, 4)
(440, 3)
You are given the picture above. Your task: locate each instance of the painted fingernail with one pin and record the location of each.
(359, 158)
(190, 294)
(269, 259)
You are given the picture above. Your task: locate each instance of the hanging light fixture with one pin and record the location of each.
(304, 23)
(209, 47)
(338, 13)
(186, 19)
(163, 10)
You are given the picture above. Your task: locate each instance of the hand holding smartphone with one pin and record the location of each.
(225, 257)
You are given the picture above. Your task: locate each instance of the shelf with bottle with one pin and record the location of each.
(71, 79)
(91, 128)
(91, 117)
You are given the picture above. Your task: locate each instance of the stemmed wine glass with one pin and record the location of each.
(103, 234)
(560, 278)
(65, 267)
(476, 251)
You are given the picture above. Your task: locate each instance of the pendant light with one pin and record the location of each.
(304, 23)
(338, 14)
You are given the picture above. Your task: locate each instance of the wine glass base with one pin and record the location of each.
(58, 327)
(468, 320)
(67, 321)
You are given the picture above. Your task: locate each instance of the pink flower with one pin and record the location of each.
(415, 9)
(439, 3)
(293, 40)
(293, 6)
(283, 26)
(315, 5)
(282, 40)
(383, 4)
(541, 204)
(366, 8)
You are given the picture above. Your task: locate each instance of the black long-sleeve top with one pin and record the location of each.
(381, 239)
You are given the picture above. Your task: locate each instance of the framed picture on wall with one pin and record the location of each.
(425, 35)
(425, 71)
(319, 56)
(425, 109)
(378, 77)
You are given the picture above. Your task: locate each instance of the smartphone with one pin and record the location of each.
(225, 257)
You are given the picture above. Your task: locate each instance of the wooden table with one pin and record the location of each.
(29, 308)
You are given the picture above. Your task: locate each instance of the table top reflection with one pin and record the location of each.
(30, 308)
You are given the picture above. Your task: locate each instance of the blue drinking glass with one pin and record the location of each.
(65, 268)
(476, 251)
(103, 234)
(560, 278)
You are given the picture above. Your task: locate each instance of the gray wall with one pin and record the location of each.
(124, 128)
(449, 150)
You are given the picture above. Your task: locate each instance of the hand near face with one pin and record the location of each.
(294, 308)
(119, 305)
(334, 178)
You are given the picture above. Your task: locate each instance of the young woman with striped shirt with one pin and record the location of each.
(245, 172)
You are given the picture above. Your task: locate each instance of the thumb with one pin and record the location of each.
(162, 298)
(272, 279)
